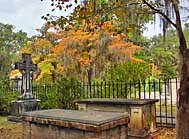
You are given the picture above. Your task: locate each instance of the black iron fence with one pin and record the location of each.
(63, 96)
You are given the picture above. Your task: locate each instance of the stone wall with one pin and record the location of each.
(41, 131)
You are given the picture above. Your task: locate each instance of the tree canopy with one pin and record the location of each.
(10, 44)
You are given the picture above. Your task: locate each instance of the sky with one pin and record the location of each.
(26, 15)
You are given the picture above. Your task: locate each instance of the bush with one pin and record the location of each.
(6, 96)
(50, 98)
(60, 95)
(70, 90)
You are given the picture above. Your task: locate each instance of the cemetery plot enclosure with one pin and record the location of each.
(63, 96)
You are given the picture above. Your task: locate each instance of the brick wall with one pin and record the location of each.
(46, 131)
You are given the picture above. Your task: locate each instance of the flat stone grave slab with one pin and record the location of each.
(141, 112)
(70, 124)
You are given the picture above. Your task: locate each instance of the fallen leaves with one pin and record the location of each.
(11, 131)
(165, 133)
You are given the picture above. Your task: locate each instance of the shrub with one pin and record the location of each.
(60, 95)
(50, 98)
(6, 96)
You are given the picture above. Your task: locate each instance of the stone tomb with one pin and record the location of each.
(69, 124)
(141, 113)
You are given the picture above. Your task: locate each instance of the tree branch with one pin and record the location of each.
(108, 10)
(182, 40)
(160, 12)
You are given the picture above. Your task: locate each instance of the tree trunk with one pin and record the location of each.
(183, 93)
(183, 102)
(90, 72)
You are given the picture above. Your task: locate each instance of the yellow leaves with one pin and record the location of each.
(71, 67)
(39, 78)
(38, 46)
(36, 59)
(43, 43)
(27, 48)
(90, 44)
(58, 49)
(131, 27)
(130, 44)
(44, 75)
(45, 65)
(107, 26)
(93, 37)
(14, 73)
(72, 51)
(46, 69)
(85, 61)
(51, 58)
(60, 68)
(137, 60)
(92, 52)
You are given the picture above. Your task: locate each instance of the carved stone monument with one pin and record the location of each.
(26, 66)
(25, 101)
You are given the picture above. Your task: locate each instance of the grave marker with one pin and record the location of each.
(26, 102)
(26, 66)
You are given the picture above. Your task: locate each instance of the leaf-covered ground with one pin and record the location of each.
(10, 130)
(165, 133)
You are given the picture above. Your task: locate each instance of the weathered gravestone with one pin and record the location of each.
(141, 113)
(69, 124)
(25, 101)
(26, 66)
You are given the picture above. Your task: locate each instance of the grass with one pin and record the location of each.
(3, 120)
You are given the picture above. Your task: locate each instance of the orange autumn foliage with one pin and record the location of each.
(80, 53)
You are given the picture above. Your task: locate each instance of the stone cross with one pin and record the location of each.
(26, 66)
